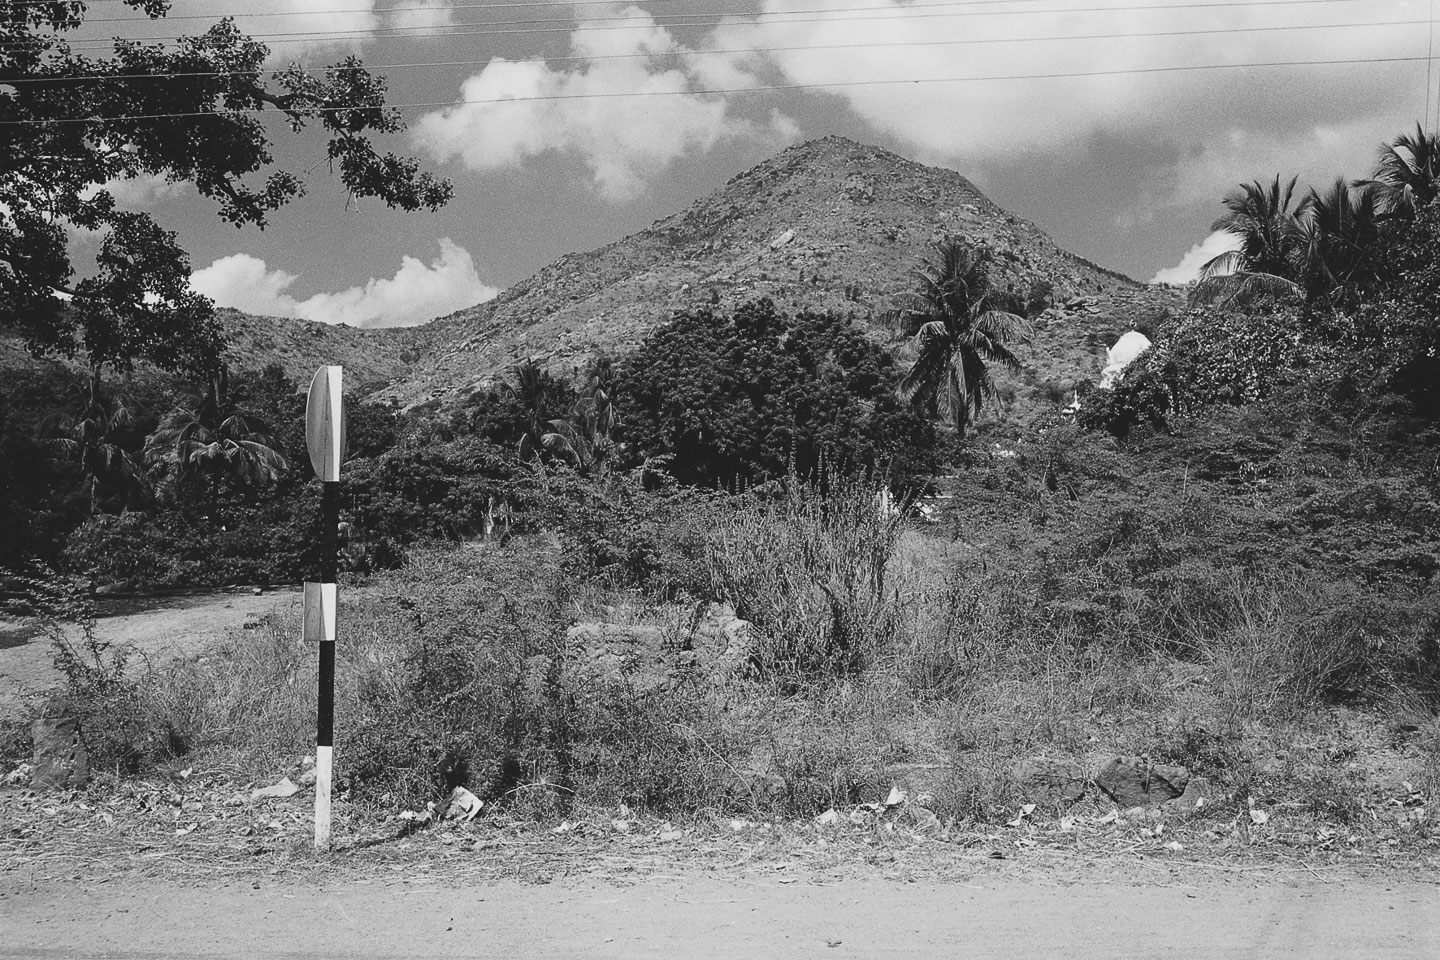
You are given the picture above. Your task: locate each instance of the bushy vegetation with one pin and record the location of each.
(1231, 556)
(736, 400)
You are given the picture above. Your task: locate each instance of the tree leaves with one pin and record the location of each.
(181, 112)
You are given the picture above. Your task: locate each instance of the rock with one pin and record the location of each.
(462, 805)
(1135, 782)
(285, 788)
(924, 820)
(1042, 780)
(782, 239)
(1198, 793)
(20, 776)
(61, 762)
(610, 635)
(756, 786)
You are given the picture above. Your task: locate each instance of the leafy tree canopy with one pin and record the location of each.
(733, 398)
(192, 111)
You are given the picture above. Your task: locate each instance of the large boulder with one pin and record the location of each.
(1136, 782)
(61, 762)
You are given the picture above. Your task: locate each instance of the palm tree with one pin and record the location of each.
(1270, 258)
(214, 438)
(97, 439)
(1339, 231)
(959, 327)
(1408, 174)
(581, 438)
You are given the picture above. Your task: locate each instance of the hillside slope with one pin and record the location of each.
(829, 224)
(372, 358)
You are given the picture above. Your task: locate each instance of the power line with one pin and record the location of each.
(449, 6)
(696, 20)
(1429, 58)
(1216, 31)
(1132, 71)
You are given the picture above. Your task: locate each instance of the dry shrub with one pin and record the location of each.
(467, 676)
(455, 670)
(808, 569)
(1284, 643)
(253, 694)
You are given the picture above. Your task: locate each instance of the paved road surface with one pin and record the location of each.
(702, 918)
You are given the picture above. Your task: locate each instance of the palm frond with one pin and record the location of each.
(1239, 289)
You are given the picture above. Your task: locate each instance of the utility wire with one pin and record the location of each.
(1217, 31)
(1429, 63)
(460, 6)
(1065, 75)
(889, 14)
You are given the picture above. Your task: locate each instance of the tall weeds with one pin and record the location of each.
(808, 569)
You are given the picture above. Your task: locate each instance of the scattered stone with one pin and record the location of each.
(1197, 794)
(285, 788)
(20, 776)
(1043, 780)
(60, 759)
(924, 820)
(462, 805)
(610, 635)
(1135, 782)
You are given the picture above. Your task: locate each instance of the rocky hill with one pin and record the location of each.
(829, 224)
(372, 358)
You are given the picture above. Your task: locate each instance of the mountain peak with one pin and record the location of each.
(828, 224)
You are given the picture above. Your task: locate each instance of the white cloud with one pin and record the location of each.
(1188, 269)
(421, 15)
(415, 294)
(980, 118)
(298, 28)
(622, 140)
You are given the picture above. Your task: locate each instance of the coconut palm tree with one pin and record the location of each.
(1270, 258)
(98, 440)
(213, 438)
(959, 327)
(1408, 174)
(582, 438)
(1339, 230)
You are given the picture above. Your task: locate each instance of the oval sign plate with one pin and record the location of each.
(325, 424)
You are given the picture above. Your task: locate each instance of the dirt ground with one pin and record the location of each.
(720, 916)
(158, 627)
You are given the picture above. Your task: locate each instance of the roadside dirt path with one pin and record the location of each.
(702, 917)
(159, 627)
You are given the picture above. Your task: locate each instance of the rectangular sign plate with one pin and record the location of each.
(319, 612)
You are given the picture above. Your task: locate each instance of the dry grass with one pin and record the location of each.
(459, 669)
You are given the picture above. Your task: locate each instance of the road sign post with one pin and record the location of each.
(325, 440)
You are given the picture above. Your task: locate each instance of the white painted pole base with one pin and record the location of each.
(322, 797)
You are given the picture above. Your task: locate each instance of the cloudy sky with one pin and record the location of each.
(1115, 125)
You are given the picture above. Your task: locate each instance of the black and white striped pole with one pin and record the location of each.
(325, 440)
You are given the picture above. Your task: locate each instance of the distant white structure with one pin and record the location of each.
(1120, 356)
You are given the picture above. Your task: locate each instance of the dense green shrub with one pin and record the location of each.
(735, 399)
